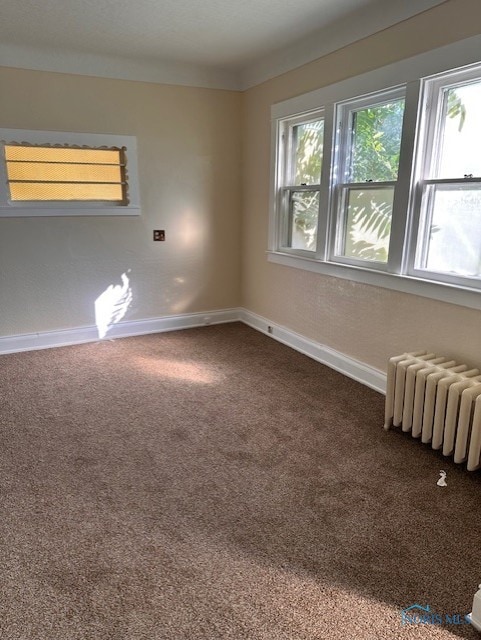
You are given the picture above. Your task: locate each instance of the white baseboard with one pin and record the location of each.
(359, 371)
(335, 359)
(65, 337)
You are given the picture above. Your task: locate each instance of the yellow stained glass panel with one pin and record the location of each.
(67, 191)
(39, 172)
(61, 154)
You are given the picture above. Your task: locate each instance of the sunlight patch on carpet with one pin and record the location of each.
(169, 368)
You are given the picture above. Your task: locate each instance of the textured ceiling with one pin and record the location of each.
(225, 34)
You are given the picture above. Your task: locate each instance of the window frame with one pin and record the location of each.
(428, 157)
(286, 185)
(35, 208)
(340, 185)
(413, 73)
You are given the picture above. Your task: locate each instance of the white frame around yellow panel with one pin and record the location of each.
(127, 206)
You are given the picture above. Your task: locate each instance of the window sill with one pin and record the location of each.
(463, 296)
(67, 210)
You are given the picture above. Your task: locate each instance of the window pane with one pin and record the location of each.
(61, 154)
(376, 142)
(64, 174)
(68, 191)
(452, 223)
(308, 140)
(367, 223)
(45, 172)
(461, 132)
(303, 214)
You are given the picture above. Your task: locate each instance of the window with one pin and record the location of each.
(50, 173)
(383, 185)
(64, 174)
(448, 243)
(368, 148)
(302, 144)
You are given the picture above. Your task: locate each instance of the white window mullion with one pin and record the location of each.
(428, 123)
(340, 162)
(282, 196)
(325, 193)
(403, 193)
(277, 168)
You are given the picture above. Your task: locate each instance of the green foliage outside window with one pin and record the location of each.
(375, 150)
(309, 141)
(375, 156)
(309, 148)
(376, 142)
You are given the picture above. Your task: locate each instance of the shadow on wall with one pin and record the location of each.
(112, 305)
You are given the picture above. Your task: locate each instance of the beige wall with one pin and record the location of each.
(189, 142)
(364, 322)
(53, 269)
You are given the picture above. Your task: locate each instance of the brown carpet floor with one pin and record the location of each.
(214, 484)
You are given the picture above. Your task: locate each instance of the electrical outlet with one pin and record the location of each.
(159, 235)
(270, 329)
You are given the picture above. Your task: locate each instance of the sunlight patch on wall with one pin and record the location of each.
(111, 305)
(192, 229)
(173, 369)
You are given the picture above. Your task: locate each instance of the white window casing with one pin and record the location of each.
(420, 81)
(342, 185)
(20, 197)
(289, 187)
(429, 181)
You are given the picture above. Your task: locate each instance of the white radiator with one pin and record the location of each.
(437, 400)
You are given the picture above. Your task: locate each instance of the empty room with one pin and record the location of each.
(240, 311)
